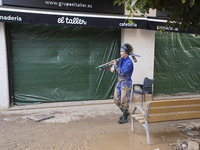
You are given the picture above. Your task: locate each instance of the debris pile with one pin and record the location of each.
(192, 131)
(189, 144)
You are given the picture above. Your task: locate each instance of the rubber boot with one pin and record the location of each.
(120, 118)
(125, 117)
(122, 112)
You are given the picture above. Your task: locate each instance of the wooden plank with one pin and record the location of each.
(134, 115)
(174, 109)
(173, 116)
(142, 121)
(175, 102)
(193, 98)
(137, 115)
(139, 118)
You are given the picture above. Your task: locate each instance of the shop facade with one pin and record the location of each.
(55, 52)
(49, 50)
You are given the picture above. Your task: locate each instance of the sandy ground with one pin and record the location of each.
(81, 127)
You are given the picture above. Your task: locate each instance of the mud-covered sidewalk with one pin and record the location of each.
(82, 126)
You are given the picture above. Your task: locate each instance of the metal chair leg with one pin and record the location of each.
(147, 134)
(132, 124)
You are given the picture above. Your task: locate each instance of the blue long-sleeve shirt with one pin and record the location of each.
(124, 70)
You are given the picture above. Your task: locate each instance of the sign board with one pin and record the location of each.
(99, 6)
(69, 19)
(101, 21)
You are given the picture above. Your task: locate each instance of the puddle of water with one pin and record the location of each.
(128, 141)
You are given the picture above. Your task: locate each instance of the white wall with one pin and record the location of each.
(4, 89)
(142, 42)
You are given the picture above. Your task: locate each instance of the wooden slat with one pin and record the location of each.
(137, 115)
(195, 98)
(173, 116)
(142, 121)
(139, 118)
(175, 102)
(181, 108)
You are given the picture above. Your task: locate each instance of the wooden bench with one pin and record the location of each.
(166, 110)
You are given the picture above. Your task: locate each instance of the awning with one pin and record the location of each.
(52, 17)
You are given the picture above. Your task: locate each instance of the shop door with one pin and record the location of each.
(177, 63)
(57, 63)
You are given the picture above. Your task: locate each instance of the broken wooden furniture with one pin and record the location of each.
(166, 110)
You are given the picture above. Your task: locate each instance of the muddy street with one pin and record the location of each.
(85, 127)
